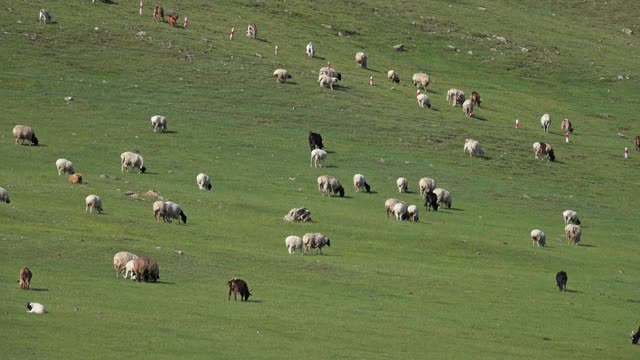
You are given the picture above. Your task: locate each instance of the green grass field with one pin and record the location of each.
(463, 283)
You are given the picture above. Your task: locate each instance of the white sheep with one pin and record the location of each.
(131, 160)
(4, 196)
(315, 241)
(389, 204)
(318, 156)
(467, 108)
(545, 121)
(403, 184)
(93, 202)
(327, 81)
(538, 237)
(455, 97)
(412, 213)
(573, 233)
(426, 185)
(400, 211)
(159, 210)
(330, 185)
(444, 197)
(120, 260)
(23, 132)
(311, 50)
(420, 80)
(203, 181)
(173, 211)
(252, 31)
(129, 270)
(473, 148)
(281, 75)
(359, 183)
(570, 216)
(392, 75)
(43, 16)
(423, 100)
(159, 123)
(361, 59)
(64, 166)
(36, 308)
(293, 242)
(331, 72)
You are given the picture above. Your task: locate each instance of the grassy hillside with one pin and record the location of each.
(462, 283)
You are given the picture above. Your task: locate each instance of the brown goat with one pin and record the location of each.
(637, 142)
(158, 13)
(146, 269)
(25, 278)
(75, 178)
(238, 286)
(475, 97)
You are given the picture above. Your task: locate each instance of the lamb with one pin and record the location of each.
(573, 233)
(426, 185)
(473, 148)
(475, 97)
(545, 121)
(570, 216)
(281, 75)
(566, 126)
(4, 196)
(443, 196)
(392, 75)
(146, 269)
(43, 16)
(329, 71)
(543, 149)
(293, 242)
(132, 160)
(311, 50)
(159, 123)
(24, 278)
(431, 201)
(361, 59)
(402, 184)
(64, 166)
(359, 182)
(315, 241)
(412, 213)
(330, 184)
(252, 31)
(400, 211)
(36, 308)
(423, 99)
(318, 156)
(93, 202)
(389, 205)
(467, 108)
(128, 270)
(561, 280)
(23, 132)
(203, 181)
(455, 97)
(327, 81)
(238, 286)
(120, 260)
(538, 237)
(420, 80)
(172, 211)
(159, 210)
(75, 178)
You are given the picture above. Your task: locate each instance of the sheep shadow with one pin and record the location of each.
(372, 70)
(587, 245)
(479, 118)
(319, 57)
(164, 283)
(171, 132)
(39, 289)
(291, 83)
(455, 209)
(572, 291)
(262, 40)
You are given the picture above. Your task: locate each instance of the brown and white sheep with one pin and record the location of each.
(24, 278)
(252, 31)
(75, 178)
(573, 233)
(540, 150)
(23, 132)
(130, 159)
(566, 126)
(420, 80)
(538, 237)
(327, 81)
(315, 241)
(455, 97)
(330, 185)
(475, 97)
(120, 260)
(238, 286)
(145, 269)
(281, 75)
(361, 59)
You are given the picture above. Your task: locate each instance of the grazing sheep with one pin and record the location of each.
(120, 260)
(566, 126)
(420, 80)
(172, 211)
(318, 156)
(444, 197)
(146, 269)
(431, 201)
(315, 241)
(359, 182)
(330, 184)
(252, 31)
(23, 132)
(561, 280)
(423, 100)
(412, 213)
(315, 141)
(159, 210)
(93, 202)
(158, 13)
(361, 59)
(128, 270)
(75, 178)
(455, 97)
(293, 242)
(159, 123)
(64, 166)
(389, 205)
(327, 81)
(311, 50)
(43, 16)
(36, 308)
(475, 97)
(132, 160)
(473, 148)
(545, 121)
(4, 196)
(635, 336)
(467, 108)
(281, 75)
(637, 142)
(329, 71)
(173, 20)
(400, 211)
(538, 237)
(24, 278)
(203, 181)
(392, 75)
(426, 185)
(543, 149)
(573, 233)
(238, 286)
(402, 184)
(570, 216)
